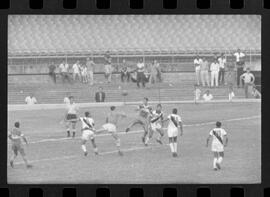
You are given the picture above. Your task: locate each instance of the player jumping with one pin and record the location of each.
(156, 124)
(142, 119)
(88, 132)
(218, 136)
(15, 136)
(175, 123)
(71, 117)
(111, 126)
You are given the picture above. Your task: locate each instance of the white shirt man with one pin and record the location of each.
(207, 96)
(214, 68)
(63, 68)
(197, 63)
(238, 55)
(66, 100)
(76, 68)
(222, 62)
(30, 100)
(140, 67)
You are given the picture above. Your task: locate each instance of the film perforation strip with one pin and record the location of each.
(133, 4)
(132, 192)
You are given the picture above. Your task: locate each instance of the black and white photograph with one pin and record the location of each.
(134, 99)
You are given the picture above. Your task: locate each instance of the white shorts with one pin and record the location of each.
(155, 126)
(172, 132)
(109, 127)
(87, 134)
(217, 147)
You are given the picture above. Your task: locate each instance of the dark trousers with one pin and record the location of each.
(125, 75)
(240, 71)
(53, 76)
(246, 86)
(140, 79)
(221, 75)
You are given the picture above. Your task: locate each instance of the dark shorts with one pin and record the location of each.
(18, 148)
(72, 117)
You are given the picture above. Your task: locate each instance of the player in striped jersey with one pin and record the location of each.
(142, 119)
(175, 123)
(156, 124)
(88, 132)
(15, 137)
(219, 141)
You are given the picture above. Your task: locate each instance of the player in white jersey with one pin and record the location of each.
(156, 124)
(111, 126)
(219, 141)
(175, 123)
(88, 131)
(71, 117)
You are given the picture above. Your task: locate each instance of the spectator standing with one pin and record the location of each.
(205, 72)
(240, 63)
(64, 68)
(159, 73)
(153, 73)
(52, 72)
(90, 70)
(248, 79)
(66, 99)
(125, 73)
(76, 71)
(100, 95)
(108, 67)
(221, 74)
(207, 96)
(30, 100)
(197, 66)
(140, 73)
(214, 68)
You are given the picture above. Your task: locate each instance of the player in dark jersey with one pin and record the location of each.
(15, 137)
(142, 118)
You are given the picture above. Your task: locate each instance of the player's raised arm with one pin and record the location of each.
(24, 138)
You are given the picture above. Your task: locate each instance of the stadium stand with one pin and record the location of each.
(50, 34)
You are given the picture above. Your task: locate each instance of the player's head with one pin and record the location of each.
(207, 92)
(17, 124)
(248, 70)
(159, 107)
(71, 99)
(218, 124)
(87, 114)
(145, 100)
(238, 50)
(174, 111)
(112, 108)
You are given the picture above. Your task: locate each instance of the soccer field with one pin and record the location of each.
(57, 159)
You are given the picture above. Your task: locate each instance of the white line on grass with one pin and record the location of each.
(102, 153)
(139, 131)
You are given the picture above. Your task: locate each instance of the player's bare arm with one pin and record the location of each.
(226, 140)
(24, 139)
(181, 128)
(207, 140)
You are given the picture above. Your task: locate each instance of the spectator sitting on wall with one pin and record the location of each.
(52, 72)
(248, 79)
(207, 96)
(125, 73)
(100, 95)
(66, 99)
(255, 93)
(30, 100)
